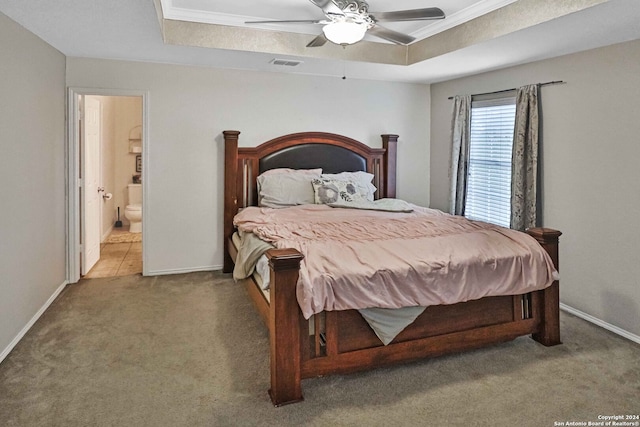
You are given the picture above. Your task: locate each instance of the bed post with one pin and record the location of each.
(284, 327)
(390, 144)
(230, 193)
(549, 331)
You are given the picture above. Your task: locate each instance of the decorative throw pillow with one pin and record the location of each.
(335, 190)
(280, 188)
(360, 178)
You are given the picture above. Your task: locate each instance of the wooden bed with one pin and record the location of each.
(341, 341)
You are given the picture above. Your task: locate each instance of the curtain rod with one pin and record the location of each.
(555, 82)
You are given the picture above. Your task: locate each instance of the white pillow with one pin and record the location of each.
(280, 188)
(277, 171)
(362, 179)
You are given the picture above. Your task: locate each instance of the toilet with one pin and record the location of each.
(133, 211)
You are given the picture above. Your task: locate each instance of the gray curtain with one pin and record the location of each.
(459, 153)
(524, 172)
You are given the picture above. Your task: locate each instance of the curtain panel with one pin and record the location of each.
(524, 170)
(460, 124)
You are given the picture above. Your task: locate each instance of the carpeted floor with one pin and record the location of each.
(189, 350)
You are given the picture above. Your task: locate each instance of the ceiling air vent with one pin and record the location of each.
(286, 62)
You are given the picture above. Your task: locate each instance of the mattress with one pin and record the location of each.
(357, 259)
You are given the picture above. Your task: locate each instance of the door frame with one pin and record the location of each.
(72, 166)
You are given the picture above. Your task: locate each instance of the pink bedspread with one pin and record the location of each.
(359, 259)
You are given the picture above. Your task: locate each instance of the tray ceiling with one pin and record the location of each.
(476, 35)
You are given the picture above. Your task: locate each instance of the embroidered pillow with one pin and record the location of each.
(335, 190)
(360, 178)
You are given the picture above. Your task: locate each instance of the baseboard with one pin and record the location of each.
(31, 322)
(106, 234)
(608, 326)
(183, 270)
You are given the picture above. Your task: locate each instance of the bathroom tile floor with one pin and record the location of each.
(118, 259)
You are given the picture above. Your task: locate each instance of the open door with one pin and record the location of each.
(91, 191)
(85, 176)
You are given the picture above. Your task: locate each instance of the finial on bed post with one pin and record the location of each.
(390, 144)
(230, 192)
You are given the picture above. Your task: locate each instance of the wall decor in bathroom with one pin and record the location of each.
(138, 163)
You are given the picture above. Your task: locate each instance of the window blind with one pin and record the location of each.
(489, 172)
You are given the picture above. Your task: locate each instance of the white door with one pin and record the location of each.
(91, 191)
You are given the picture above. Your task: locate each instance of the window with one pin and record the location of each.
(488, 195)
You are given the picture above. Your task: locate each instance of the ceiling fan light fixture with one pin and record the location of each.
(345, 32)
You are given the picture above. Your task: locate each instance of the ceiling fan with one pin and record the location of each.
(347, 22)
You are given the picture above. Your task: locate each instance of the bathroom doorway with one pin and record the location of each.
(107, 137)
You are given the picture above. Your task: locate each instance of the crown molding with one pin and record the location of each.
(205, 17)
(228, 19)
(465, 15)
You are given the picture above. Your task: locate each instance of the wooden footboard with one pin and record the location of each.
(342, 342)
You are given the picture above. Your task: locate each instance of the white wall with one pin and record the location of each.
(32, 173)
(591, 151)
(189, 107)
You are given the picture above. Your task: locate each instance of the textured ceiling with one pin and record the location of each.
(476, 36)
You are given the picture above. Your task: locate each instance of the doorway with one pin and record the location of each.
(107, 140)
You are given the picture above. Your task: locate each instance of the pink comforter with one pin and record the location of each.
(359, 258)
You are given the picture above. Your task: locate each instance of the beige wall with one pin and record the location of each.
(189, 107)
(32, 173)
(591, 149)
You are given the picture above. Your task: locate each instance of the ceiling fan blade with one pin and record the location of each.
(408, 15)
(328, 7)
(318, 41)
(390, 35)
(291, 21)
